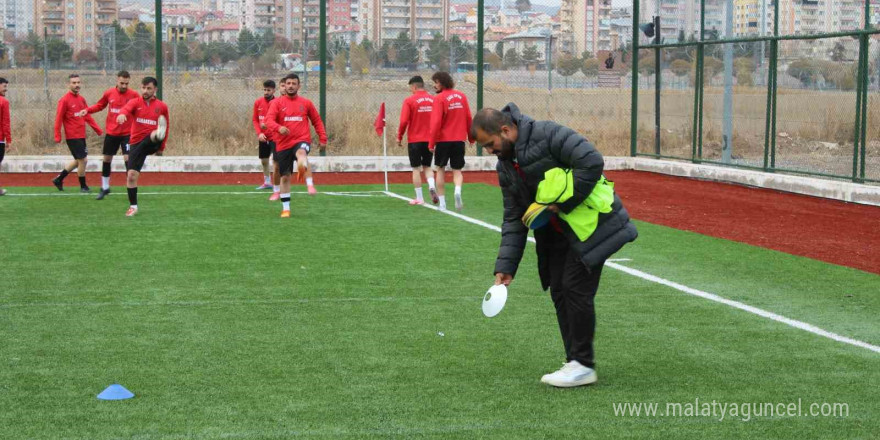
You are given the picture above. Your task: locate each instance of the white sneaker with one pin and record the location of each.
(458, 203)
(572, 374)
(159, 133)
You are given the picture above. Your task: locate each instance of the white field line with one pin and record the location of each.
(691, 291)
(197, 193)
(221, 302)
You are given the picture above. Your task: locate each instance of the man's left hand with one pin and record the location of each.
(553, 208)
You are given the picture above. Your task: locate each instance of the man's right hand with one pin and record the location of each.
(121, 119)
(284, 131)
(503, 278)
(262, 137)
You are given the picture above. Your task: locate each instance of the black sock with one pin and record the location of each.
(63, 174)
(132, 196)
(285, 199)
(105, 169)
(82, 182)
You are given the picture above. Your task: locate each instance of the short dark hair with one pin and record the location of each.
(490, 121)
(445, 80)
(269, 83)
(4, 81)
(123, 74)
(417, 80)
(291, 76)
(72, 76)
(149, 80)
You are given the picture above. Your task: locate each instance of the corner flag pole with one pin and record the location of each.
(385, 156)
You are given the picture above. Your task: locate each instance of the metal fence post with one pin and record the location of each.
(634, 86)
(159, 54)
(322, 48)
(480, 18)
(860, 85)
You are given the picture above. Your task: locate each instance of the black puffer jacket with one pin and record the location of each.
(540, 146)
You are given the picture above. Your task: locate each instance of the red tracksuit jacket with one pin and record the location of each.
(5, 130)
(145, 118)
(116, 101)
(416, 116)
(451, 118)
(295, 114)
(261, 108)
(74, 126)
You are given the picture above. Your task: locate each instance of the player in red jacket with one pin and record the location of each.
(288, 118)
(450, 128)
(5, 130)
(415, 121)
(149, 133)
(70, 115)
(117, 136)
(265, 144)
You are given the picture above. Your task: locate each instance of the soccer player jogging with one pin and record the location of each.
(568, 263)
(450, 128)
(265, 144)
(149, 133)
(117, 135)
(288, 118)
(5, 130)
(415, 121)
(70, 115)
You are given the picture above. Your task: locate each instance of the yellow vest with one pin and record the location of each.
(558, 186)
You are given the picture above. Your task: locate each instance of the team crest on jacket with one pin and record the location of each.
(302, 108)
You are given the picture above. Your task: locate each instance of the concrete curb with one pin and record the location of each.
(826, 188)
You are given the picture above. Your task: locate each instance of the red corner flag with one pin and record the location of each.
(380, 120)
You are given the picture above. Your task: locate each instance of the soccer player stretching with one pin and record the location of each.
(288, 119)
(415, 117)
(149, 133)
(70, 114)
(117, 136)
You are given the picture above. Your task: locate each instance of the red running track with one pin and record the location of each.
(826, 230)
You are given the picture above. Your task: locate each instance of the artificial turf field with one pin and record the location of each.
(359, 317)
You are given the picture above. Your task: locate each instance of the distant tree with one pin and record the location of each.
(568, 65)
(85, 56)
(530, 55)
(511, 58)
(590, 67)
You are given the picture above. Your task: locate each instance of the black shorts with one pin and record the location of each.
(419, 155)
(78, 148)
(451, 153)
(138, 153)
(2, 151)
(266, 149)
(112, 145)
(286, 158)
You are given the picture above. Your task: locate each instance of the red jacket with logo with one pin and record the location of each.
(116, 100)
(74, 126)
(261, 108)
(144, 118)
(451, 118)
(416, 117)
(295, 114)
(5, 130)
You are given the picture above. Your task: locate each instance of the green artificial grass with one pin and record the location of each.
(359, 317)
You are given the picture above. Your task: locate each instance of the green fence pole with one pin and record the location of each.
(773, 74)
(634, 86)
(480, 49)
(857, 132)
(322, 48)
(159, 53)
(865, 84)
(701, 54)
(697, 79)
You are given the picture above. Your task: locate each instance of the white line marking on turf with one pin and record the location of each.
(198, 193)
(221, 302)
(691, 291)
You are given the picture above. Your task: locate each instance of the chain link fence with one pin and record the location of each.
(793, 86)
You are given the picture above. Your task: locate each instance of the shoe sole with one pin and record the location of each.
(587, 381)
(101, 196)
(58, 185)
